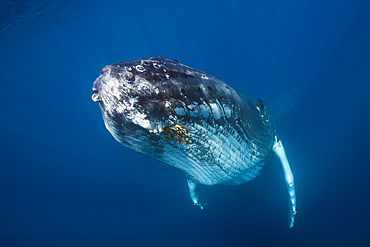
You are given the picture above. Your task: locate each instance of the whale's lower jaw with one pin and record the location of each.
(215, 154)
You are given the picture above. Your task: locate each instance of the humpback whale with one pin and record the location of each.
(191, 121)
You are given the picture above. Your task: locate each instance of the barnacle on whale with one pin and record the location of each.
(176, 133)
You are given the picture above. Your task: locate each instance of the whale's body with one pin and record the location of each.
(189, 120)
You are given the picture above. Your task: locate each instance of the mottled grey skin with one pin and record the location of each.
(231, 136)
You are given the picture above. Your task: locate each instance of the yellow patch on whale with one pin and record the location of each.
(176, 133)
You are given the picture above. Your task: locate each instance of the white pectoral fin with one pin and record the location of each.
(197, 194)
(289, 179)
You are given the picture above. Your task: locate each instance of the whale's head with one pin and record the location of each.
(143, 96)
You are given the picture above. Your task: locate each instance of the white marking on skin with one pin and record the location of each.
(120, 109)
(156, 65)
(167, 104)
(139, 119)
(115, 91)
(215, 110)
(227, 110)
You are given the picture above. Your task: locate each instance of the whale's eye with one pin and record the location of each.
(129, 76)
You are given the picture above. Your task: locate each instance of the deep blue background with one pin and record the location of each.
(64, 181)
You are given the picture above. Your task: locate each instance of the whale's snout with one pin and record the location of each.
(96, 88)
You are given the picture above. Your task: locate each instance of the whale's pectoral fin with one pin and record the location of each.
(280, 152)
(197, 194)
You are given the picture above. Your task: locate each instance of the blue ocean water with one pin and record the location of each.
(64, 181)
